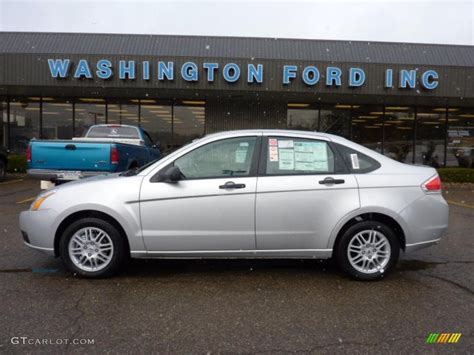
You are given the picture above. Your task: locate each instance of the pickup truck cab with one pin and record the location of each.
(106, 148)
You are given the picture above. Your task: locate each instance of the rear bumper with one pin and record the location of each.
(426, 220)
(52, 175)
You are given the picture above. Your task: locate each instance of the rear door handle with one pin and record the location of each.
(231, 185)
(331, 181)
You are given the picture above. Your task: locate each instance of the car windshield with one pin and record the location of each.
(113, 132)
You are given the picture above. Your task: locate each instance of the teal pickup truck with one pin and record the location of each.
(106, 148)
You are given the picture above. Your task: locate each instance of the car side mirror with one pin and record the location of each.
(172, 174)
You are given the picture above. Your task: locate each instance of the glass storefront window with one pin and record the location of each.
(302, 117)
(460, 149)
(122, 112)
(391, 130)
(57, 118)
(156, 118)
(367, 125)
(24, 122)
(398, 133)
(430, 136)
(336, 119)
(88, 112)
(4, 125)
(189, 122)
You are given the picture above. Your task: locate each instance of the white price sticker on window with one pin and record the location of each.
(355, 161)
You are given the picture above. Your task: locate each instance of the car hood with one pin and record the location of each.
(89, 180)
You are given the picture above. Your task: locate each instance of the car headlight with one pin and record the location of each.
(40, 199)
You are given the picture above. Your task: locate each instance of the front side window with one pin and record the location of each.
(296, 156)
(227, 157)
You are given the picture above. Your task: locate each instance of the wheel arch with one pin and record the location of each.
(87, 214)
(372, 216)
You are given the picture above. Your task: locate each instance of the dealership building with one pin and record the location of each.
(413, 102)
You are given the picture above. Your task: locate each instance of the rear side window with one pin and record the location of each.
(357, 162)
(113, 132)
(297, 156)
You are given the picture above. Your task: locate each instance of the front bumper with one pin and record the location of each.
(54, 175)
(37, 229)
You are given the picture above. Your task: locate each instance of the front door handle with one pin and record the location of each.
(232, 185)
(330, 181)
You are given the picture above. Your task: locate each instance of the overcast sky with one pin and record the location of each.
(428, 21)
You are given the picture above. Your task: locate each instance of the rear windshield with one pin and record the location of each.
(113, 132)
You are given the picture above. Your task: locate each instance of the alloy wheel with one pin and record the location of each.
(91, 249)
(369, 251)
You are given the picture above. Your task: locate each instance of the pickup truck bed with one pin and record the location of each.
(65, 160)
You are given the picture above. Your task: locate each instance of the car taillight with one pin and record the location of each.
(114, 156)
(28, 153)
(432, 185)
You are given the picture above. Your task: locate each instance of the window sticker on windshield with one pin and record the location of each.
(311, 156)
(244, 144)
(304, 166)
(304, 146)
(273, 153)
(355, 161)
(304, 156)
(272, 142)
(287, 159)
(285, 144)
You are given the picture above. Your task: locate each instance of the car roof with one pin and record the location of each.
(275, 132)
(114, 125)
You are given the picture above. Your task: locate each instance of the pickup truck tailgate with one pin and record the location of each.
(68, 155)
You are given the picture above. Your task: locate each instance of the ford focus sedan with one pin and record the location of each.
(245, 194)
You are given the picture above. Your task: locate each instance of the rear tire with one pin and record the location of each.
(368, 251)
(3, 168)
(92, 248)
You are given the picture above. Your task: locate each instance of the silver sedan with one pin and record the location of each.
(245, 194)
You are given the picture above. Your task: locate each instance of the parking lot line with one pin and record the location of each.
(460, 204)
(26, 200)
(10, 182)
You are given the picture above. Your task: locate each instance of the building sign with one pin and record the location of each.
(331, 76)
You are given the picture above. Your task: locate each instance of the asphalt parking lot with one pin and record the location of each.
(266, 306)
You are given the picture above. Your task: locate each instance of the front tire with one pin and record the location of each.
(368, 251)
(92, 248)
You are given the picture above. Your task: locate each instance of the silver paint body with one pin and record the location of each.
(284, 216)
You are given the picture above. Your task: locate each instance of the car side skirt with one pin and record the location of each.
(224, 254)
